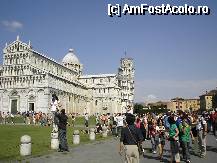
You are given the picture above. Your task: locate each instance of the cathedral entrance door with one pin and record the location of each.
(31, 106)
(14, 106)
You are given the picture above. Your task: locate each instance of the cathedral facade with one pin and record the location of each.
(29, 78)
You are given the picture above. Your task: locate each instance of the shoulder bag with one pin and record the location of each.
(139, 145)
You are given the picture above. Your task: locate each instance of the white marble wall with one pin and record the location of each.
(33, 77)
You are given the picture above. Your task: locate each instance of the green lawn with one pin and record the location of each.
(80, 120)
(10, 140)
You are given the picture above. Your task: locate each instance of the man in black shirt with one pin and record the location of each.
(63, 146)
(130, 137)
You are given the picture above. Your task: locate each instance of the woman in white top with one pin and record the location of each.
(54, 107)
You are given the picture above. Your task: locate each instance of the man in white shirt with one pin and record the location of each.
(120, 122)
(201, 127)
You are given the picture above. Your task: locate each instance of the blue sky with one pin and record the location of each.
(173, 55)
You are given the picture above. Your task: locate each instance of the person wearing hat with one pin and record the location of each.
(130, 138)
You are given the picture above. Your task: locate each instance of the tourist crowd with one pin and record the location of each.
(179, 129)
(29, 117)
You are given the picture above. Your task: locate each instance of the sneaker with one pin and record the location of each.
(202, 156)
(154, 152)
(188, 161)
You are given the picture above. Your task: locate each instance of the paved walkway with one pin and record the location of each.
(107, 152)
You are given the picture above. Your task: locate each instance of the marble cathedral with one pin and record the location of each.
(29, 78)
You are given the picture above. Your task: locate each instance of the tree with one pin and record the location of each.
(138, 108)
(214, 101)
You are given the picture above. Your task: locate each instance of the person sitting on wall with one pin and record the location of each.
(54, 108)
(98, 128)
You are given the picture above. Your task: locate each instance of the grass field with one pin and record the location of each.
(10, 140)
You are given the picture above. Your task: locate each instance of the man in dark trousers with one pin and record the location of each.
(63, 146)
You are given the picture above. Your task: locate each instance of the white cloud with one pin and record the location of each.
(12, 25)
(150, 98)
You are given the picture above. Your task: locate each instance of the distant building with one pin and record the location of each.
(192, 104)
(183, 104)
(177, 104)
(206, 100)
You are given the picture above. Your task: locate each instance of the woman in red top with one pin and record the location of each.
(138, 122)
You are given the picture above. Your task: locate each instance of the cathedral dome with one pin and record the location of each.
(70, 58)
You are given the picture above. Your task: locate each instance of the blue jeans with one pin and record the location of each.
(119, 129)
(63, 145)
(185, 150)
(153, 144)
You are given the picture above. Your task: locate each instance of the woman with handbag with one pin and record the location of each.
(131, 138)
